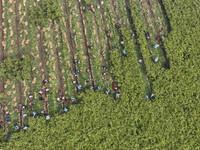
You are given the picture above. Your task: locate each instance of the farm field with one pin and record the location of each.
(114, 74)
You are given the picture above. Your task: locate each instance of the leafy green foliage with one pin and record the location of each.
(16, 68)
(45, 10)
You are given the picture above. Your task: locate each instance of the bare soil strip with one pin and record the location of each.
(19, 86)
(2, 89)
(86, 43)
(42, 68)
(58, 62)
(1, 41)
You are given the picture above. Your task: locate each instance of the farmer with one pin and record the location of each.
(7, 112)
(102, 2)
(99, 87)
(16, 109)
(22, 23)
(156, 59)
(63, 98)
(42, 111)
(79, 86)
(163, 37)
(47, 117)
(92, 8)
(104, 73)
(132, 35)
(90, 46)
(31, 104)
(16, 127)
(158, 38)
(88, 70)
(68, 100)
(162, 68)
(34, 114)
(24, 115)
(60, 92)
(122, 42)
(74, 82)
(108, 33)
(58, 99)
(147, 96)
(87, 81)
(98, 6)
(71, 69)
(156, 46)
(104, 68)
(83, 8)
(114, 88)
(140, 61)
(41, 98)
(7, 118)
(72, 99)
(24, 106)
(65, 109)
(72, 37)
(149, 2)
(75, 61)
(30, 96)
(107, 91)
(59, 111)
(25, 128)
(91, 87)
(41, 92)
(117, 95)
(115, 48)
(117, 25)
(46, 90)
(124, 52)
(114, 84)
(16, 122)
(151, 95)
(103, 53)
(45, 81)
(77, 72)
(49, 55)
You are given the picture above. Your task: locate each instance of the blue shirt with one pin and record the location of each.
(107, 91)
(156, 59)
(124, 52)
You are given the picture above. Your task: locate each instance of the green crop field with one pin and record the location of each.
(99, 74)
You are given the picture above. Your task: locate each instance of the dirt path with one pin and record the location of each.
(42, 67)
(86, 43)
(1, 42)
(72, 49)
(2, 55)
(58, 63)
(19, 86)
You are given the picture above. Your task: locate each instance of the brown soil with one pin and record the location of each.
(58, 63)
(1, 42)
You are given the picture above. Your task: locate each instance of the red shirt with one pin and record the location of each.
(149, 2)
(115, 88)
